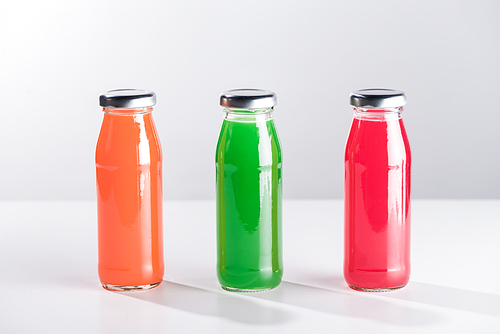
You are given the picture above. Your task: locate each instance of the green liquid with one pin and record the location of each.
(249, 192)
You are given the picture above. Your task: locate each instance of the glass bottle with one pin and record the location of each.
(377, 193)
(249, 193)
(129, 192)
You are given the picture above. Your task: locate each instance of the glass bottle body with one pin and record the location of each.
(129, 200)
(377, 201)
(249, 202)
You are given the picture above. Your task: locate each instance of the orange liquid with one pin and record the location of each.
(129, 199)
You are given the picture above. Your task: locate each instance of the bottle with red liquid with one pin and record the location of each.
(129, 192)
(377, 193)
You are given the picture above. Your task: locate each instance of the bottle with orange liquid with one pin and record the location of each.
(377, 193)
(129, 192)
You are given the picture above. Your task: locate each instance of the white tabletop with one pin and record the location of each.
(49, 283)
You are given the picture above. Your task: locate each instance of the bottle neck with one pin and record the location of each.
(248, 115)
(127, 111)
(378, 114)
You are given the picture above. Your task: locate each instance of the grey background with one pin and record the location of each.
(56, 57)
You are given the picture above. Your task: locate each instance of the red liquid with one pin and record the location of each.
(129, 200)
(377, 203)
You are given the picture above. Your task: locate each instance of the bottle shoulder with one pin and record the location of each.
(244, 144)
(128, 138)
(377, 141)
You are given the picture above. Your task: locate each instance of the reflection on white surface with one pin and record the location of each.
(452, 298)
(227, 305)
(352, 304)
(48, 275)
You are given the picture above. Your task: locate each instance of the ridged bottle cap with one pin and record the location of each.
(378, 98)
(248, 99)
(128, 98)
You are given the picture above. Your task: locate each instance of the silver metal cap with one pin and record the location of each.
(378, 98)
(128, 98)
(248, 99)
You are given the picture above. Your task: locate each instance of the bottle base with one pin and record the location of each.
(357, 288)
(129, 288)
(227, 288)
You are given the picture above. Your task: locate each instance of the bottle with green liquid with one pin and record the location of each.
(249, 193)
